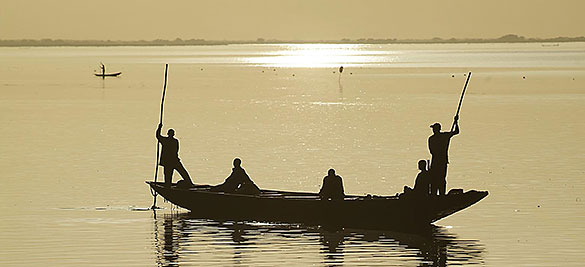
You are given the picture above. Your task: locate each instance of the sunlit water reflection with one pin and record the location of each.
(77, 150)
(181, 239)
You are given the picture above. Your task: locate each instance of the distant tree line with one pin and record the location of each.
(510, 38)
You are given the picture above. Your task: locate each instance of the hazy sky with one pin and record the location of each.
(291, 19)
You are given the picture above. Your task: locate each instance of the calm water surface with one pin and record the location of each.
(77, 150)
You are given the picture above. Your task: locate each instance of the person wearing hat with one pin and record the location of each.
(439, 147)
(169, 157)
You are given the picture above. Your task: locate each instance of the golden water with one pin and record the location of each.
(77, 150)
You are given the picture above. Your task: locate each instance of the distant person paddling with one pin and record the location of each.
(439, 147)
(169, 157)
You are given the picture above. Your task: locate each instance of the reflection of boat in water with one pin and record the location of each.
(364, 212)
(115, 74)
(183, 239)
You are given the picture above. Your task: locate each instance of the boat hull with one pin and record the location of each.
(115, 74)
(293, 207)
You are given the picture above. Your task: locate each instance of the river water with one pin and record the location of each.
(78, 148)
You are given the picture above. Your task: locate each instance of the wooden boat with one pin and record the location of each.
(115, 74)
(364, 212)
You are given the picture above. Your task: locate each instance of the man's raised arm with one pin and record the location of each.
(456, 122)
(158, 136)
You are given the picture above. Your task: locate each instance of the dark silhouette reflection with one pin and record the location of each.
(186, 240)
(434, 247)
(332, 245)
(166, 248)
(171, 254)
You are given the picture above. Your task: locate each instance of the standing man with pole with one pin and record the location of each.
(169, 157)
(162, 104)
(439, 147)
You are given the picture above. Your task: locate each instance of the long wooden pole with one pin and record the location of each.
(162, 104)
(461, 99)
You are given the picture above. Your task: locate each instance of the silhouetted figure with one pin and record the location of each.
(439, 147)
(238, 182)
(169, 157)
(332, 186)
(422, 184)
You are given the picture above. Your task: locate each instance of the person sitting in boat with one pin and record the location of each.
(169, 157)
(332, 186)
(238, 182)
(422, 184)
(439, 147)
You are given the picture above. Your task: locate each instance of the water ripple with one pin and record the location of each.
(181, 239)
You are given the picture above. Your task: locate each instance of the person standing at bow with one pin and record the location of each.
(169, 157)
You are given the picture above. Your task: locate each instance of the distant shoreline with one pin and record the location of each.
(510, 38)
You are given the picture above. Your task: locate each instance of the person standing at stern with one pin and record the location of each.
(439, 147)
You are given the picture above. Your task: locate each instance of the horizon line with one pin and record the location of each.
(509, 38)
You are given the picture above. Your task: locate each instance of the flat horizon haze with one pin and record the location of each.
(289, 20)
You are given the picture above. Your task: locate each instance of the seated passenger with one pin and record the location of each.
(238, 182)
(422, 184)
(332, 186)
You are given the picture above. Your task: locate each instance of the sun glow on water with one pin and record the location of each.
(318, 56)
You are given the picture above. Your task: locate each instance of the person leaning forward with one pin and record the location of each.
(169, 157)
(332, 186)
(439, 147)
(238, 182)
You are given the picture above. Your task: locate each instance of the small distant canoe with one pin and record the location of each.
(363, 212)
(115, 74)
